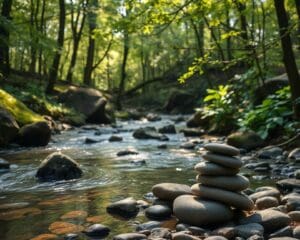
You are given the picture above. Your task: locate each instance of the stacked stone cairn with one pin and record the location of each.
(218, 191)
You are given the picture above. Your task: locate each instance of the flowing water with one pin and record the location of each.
(29, 207)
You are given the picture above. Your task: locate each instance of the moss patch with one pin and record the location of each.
(22, 114)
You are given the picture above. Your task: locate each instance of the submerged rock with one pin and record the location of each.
(34, 135)
(126, 208)
(167, 129)
(130, 236)
(58, 166)
(4, 165)
(97, 230)
(149, 133)
(158, 212)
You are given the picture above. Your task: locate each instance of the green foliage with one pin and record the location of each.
(219, 107)
(275, 112)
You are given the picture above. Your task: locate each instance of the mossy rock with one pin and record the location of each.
(245, 139)
(19, 110)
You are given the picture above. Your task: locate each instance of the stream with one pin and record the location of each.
(28, 207)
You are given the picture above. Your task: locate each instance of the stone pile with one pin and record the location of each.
(218, 191)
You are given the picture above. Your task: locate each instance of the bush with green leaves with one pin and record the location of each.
(274, 113)
(220, 108)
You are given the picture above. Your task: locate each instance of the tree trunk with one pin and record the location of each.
(4, 39)
(76, 36)
(288, 55)
(92, 20)
(297, 2)
(123, 71)
(60, 42)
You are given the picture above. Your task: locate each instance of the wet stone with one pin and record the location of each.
(283, 232)
(249, 230)
(115, 138)
(130, 236)
(148, 225)
(126, 208)
(266, 202)
(163, 233)
(158, 212)
(126, 152)
(223, 149)
(97, 230)
(170, 191)
(4, 164)
(225, 161)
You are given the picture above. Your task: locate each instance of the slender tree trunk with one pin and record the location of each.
(199, 34)
(228, 40)
(288, 55)
(76, 36)
(42, 31)
(60, 42)
(92, 20)
(297, 2)
(123, 70)
(4, 39)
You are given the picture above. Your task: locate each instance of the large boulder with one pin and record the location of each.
(87, 101)
(245, 139)
(180, 102)
(34, 135)
(8, 127)
(58, 166)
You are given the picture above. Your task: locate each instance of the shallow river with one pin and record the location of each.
(28, 207)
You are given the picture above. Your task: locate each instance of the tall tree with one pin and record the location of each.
(297, 2)
(4, 38)
(92, 21)
(60, 42)
(76, 27)
(288, 55)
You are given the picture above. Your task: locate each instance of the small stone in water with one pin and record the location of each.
(97, 230)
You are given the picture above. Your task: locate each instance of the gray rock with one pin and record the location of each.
(148, 225)
(115, 138)
(297, 174)
(266, 202)
(249, 230)
(296, 232)
(215, 238)
(158, 212)
(245, 139)
(283, 238)
(130, 236)
(294, 154)
(271, 220)
(270, 152)
(126, 208)
(225, 161)
(198, 231)
(149, 133)
(232, 183)
(283, 232)
(295, 215)
(219, 148)
(8, 127)
(212, 169)
(71, 236)
(183, 236)
(192, 132)
(170, 191)
(188, 145)
(4, 164)
(291, 197)
(58, 166)
(256, 237)
(160, 233)
(170, 129)
(152, 117)
(234, 199)
(272, 192)
(90, 141)
(126, 152)
(191, 210)
(34, 135)
(97, 230)
(288, 185)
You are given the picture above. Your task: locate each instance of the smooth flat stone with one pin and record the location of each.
(197, 212)
(233, 199)
(170, 191)
(222, 149)
(212, 169)
(231, 183)
(225, 161)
